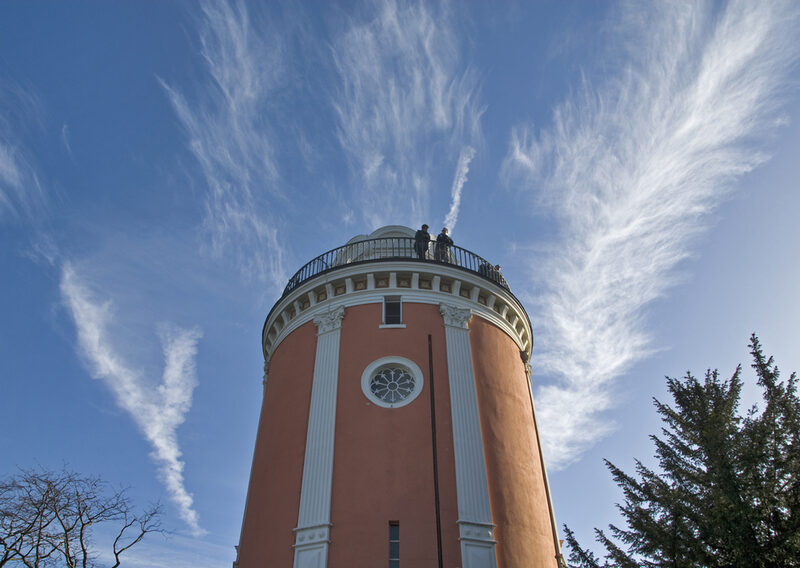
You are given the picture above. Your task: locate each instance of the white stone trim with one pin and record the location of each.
(472, 485)
(330, 320)
(455, 317)
(311, 546)
(477, 544)
(477, 532)
(275, 330)
(366, 377)
(313, 519)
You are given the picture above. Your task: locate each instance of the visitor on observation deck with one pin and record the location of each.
(443, 244)
(422, 239)
(497, 277)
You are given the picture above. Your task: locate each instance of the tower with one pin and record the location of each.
(397, 425)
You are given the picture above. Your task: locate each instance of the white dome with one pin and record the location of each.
(386, 232)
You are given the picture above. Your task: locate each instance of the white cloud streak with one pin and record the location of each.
(632, 169)
(229, 135)
(21, 194)
(156, 410)
(462, 169)
(172, 551)
(405, 106)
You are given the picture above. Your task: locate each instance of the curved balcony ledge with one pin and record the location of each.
(393, 249)
(364, 271)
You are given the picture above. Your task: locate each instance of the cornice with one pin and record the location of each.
(426, 283)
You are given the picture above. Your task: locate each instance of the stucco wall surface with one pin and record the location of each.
(273, 497)
(383, 457)
(516, 484)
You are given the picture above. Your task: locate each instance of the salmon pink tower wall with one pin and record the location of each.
(397, 425)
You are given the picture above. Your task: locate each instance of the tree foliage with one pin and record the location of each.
(48, 519)
(727, 490)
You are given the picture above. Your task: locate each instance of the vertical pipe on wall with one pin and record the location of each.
(435, 454)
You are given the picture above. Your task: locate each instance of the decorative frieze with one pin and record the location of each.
(358, 285)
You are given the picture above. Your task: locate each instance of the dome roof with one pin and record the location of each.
(385, 232)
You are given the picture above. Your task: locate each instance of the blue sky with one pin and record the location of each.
(165, 167)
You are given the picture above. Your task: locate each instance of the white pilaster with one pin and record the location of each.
(312, 535)
(476, 530)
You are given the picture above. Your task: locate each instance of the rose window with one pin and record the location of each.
(392, 384)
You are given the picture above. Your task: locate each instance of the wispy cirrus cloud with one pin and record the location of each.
(230, 135)
(632, 169)
(22, 197)
(173, 551)
(157, 410)
(405, 106)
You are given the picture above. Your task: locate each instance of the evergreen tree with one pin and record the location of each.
(727, 490)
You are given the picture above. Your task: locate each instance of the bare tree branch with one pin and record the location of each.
(50, 515)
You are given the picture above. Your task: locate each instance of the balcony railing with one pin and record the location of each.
(394, 248)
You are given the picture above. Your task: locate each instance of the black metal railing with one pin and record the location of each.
(394, 248)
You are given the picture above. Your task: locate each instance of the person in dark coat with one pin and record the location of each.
(422, 239)
(443, 244)
(499, 277)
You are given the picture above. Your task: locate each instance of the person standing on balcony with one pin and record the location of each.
(421, 240)
(497, 277)
(443, 244)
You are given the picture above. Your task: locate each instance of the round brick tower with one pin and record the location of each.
(397, 426)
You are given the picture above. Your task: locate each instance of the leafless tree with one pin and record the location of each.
(48, 518)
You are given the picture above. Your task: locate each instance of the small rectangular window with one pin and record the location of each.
(392, 310)
(394, 544)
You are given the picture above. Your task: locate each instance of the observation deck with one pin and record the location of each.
(385, 262)
(393, 248)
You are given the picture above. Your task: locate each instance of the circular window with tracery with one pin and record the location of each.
(392, 381)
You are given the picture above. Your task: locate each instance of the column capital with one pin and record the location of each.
(329, 321)
(455, 317)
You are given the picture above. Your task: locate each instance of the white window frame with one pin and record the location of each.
(413, 368)
(385, 325)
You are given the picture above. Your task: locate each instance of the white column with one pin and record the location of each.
(476, 530)
(312, 535)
